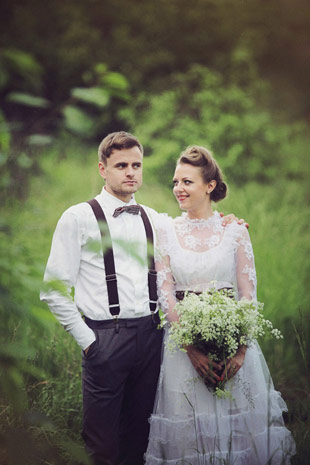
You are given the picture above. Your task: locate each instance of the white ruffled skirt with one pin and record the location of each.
(190, 426)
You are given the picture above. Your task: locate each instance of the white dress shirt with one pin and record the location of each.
(76, 259)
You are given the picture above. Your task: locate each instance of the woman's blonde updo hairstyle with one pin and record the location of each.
(202, 158)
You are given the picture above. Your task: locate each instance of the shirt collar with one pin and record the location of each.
(109, 202)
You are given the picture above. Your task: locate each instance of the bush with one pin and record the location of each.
(221, 113)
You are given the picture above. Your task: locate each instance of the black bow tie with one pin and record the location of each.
(133, 209)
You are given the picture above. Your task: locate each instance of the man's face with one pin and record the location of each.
(123, 172)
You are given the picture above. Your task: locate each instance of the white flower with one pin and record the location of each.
(218, 324)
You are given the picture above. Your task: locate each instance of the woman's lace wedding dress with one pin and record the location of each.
(190, 425)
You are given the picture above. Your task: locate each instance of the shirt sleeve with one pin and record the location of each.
(61, 275)
(165, 280)
(246, 274)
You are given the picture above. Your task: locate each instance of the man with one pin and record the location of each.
(117, 296)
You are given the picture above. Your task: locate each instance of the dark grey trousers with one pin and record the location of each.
(120, 374)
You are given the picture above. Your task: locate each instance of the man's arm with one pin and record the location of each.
(61, 276)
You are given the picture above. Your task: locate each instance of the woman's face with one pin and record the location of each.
(190, 189)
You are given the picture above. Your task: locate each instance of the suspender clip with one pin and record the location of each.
(110, 277)
(116, 323)
(153, 318)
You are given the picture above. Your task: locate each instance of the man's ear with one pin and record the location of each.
(211, 186)
(102, 170)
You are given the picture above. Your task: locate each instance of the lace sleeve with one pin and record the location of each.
(246, 274)
(165, 280)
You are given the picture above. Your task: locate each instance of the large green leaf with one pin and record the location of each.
(116, 84)
(115, 80)
(39, 139)
(93, 95)
(78, 121)
(24, 161)
(5, 136)
(28, 100)
(23, 61)
(18, 62)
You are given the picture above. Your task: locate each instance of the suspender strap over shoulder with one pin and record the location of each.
(109, 262)
(152, 282)
(108, 258)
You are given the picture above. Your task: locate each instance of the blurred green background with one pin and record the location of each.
(230, 75)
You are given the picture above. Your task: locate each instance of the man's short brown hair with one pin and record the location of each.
(117, 141)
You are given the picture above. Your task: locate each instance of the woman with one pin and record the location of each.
(190, 425)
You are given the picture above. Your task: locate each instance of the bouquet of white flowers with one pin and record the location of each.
(217, 324)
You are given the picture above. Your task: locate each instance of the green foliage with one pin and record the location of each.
(5, 136)
(21, 83)
(148, 41)
(39, 140)
(78, 121)
(32, 384)
(27, 122)
(93, 95)
(17, 283)
(98, 103)
(278, 222)
(18, 66)
(204, 108)
(27, 99)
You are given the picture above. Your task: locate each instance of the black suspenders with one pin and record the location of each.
(109, 263)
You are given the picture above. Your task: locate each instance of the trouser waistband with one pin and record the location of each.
(123, 322)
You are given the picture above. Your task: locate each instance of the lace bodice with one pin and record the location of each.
(196, 254)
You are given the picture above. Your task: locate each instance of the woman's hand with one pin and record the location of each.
(205, 367)
(227, 219)
(233, 364)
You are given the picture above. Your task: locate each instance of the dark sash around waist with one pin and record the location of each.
(181, 294)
